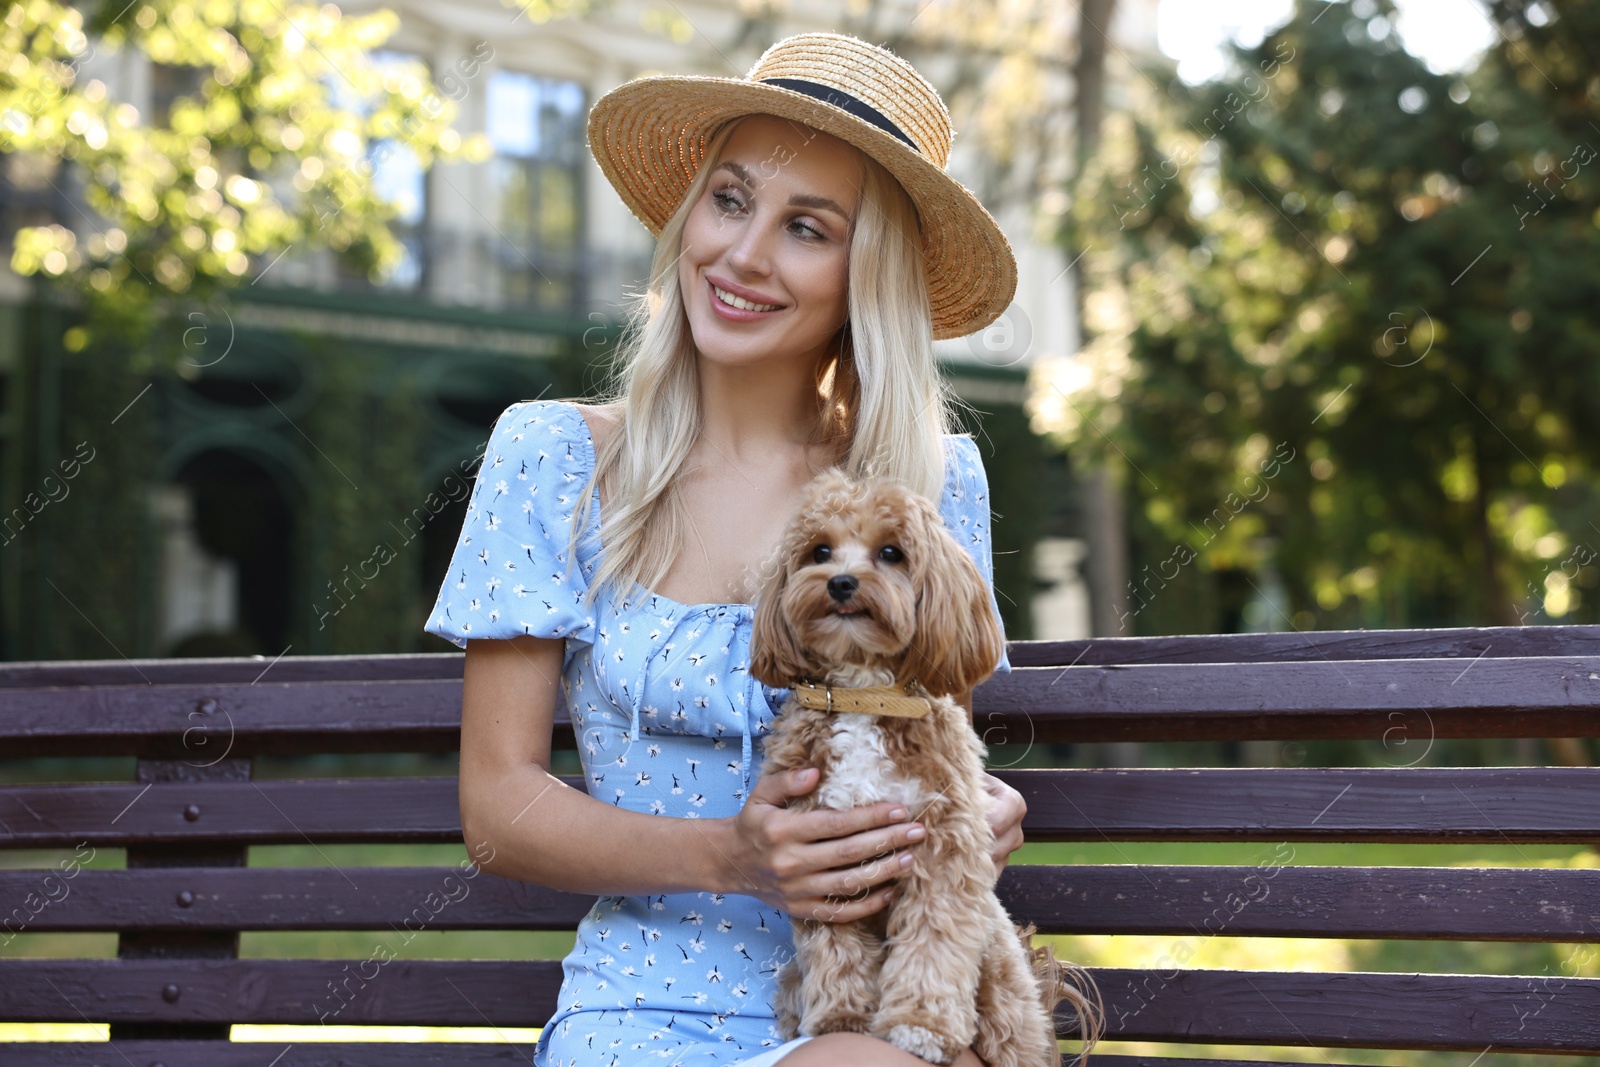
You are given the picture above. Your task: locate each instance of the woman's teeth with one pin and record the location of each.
(740, 302)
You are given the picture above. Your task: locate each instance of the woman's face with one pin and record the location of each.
(772, 227)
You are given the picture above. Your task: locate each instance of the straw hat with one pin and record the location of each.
(649, 136)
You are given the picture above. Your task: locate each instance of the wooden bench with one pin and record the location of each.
(191, 815)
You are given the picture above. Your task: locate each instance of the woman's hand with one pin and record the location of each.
(809, 864)
(1006, 809)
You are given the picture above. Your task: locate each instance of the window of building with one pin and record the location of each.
(32, 193)
(536, 126)
(398, 177)
(168, 83)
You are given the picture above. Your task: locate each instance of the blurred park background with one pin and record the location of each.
(1304, 339)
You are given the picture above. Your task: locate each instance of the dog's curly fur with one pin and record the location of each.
(942, 966)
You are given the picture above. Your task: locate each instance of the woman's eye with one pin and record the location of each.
(821, 554)
(730, 203)
(891, 554)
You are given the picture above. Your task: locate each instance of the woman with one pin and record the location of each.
(788, 327)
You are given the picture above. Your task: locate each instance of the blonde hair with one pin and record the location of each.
(881, 403)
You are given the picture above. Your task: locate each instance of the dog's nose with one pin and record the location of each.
(842, 586)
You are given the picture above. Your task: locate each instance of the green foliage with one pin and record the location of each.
(276, 116)
(94, 561)
(1014, 461)
(1383, 278)
(365, 559)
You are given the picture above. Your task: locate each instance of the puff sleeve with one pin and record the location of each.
(965, 508)
(508, 575)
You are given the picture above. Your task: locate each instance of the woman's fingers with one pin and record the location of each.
(843, 909)
(1005, 813)
(822, 824)
(836, 866)
(858, 890)
(848, 881)
(831, 865)
(853, 888)
(1005, 846)
(860, 847)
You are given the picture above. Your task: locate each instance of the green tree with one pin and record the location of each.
(1342, 312)
(267, 140)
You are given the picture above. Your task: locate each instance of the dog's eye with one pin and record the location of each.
(821, 554)
(891, 554)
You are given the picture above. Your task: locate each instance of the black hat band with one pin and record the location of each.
(845, 102)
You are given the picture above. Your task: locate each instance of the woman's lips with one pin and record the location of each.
(731, 313)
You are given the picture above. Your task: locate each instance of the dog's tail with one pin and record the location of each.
(1062, 980)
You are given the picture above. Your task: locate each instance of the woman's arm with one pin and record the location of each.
(834, 866)
(532, 826)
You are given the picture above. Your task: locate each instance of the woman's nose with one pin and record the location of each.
(750, 248)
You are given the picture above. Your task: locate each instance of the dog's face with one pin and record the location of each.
(867, 574)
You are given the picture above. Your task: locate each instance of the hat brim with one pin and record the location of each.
(649, 136)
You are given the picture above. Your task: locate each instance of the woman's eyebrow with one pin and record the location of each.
(797, 200)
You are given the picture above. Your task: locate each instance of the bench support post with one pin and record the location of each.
(182, 944)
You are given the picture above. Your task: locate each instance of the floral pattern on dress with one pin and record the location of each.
(668, 721)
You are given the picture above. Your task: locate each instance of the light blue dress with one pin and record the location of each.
(669, 722)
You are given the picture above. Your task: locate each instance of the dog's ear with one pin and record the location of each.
(958, 640)
(776, 657)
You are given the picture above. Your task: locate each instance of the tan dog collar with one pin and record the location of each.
(891, 700)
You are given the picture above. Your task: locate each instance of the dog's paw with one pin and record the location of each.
(920, 1041)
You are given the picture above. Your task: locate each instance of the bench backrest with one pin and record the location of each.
(193, 810)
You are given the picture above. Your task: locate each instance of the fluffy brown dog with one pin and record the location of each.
(870, 590)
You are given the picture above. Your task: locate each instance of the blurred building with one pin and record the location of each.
(301, 485)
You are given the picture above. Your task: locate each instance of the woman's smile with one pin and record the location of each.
(737, 308)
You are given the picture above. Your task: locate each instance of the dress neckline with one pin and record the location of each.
(587, 437)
